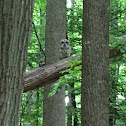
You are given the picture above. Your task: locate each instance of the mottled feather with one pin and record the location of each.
(65, 49)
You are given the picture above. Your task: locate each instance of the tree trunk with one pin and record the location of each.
(15, 22)
(95, 63)
(74, 105)
(54, 107)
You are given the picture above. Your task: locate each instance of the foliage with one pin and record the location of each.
(31, 111)
(117, 17)
(117, 65)
(34, 52)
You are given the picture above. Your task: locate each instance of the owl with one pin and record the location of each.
(65, 49)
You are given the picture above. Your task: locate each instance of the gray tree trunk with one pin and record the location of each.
(15, 22)
(54, 107)
(95, 63)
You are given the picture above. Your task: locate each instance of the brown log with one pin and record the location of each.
(51, 73)
(115, 52)
(46, 74)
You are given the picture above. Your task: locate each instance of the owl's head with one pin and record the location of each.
(65, 43)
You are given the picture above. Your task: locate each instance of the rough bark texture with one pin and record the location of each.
(95, 63)
(54, 107)
(15, 22)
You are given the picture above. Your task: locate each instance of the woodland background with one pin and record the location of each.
(91, 92)
(32, 101)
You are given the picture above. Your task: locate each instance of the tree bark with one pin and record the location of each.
(15, 22)
(95, 64)
(54, 107)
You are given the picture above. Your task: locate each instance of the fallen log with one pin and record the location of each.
(46, 74)
(51, 73)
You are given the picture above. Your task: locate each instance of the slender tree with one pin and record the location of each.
(69, 111)
(73, 96)
(95, 63)
(54, 107)
(15, 22)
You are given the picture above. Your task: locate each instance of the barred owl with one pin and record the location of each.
(65, 49)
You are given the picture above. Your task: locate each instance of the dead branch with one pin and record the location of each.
(50, 73)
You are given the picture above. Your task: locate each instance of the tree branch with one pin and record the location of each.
(40, 46)
(50, 73)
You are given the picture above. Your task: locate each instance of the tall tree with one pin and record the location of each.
(15, 22)
(54, 107)
(95, 63)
